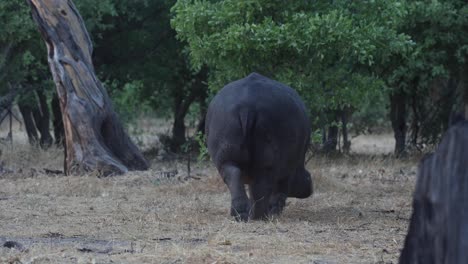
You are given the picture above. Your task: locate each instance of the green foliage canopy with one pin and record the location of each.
(431, 74)
(327, 51)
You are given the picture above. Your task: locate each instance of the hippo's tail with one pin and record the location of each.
(247, 120)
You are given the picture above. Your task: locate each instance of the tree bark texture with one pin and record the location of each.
(95, 139)
(398, 119)
(438, 231)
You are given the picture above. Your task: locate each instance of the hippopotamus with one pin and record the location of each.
(257, 133)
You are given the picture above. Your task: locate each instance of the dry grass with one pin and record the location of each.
(375, 144)
(358, 214)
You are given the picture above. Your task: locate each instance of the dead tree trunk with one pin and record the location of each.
(438, 231)
(94, 137)
(398, 119)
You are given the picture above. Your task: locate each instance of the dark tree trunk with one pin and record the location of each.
(178, 128)
(418, 118)
(6, 104)
(398, 119)
(201, 124)
(59, 132)
(438, 230)
(42, 120)
(7, 100)
(331, 137)
(26, 111)
(182, 104)
(36, 117)
(449, 108)
(464, 86)
(415, 124)
(181, 108)
(344, 127)
(5, 54)
(95, 139)
(324, 135)
(203, 109)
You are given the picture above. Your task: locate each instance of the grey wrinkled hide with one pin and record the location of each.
(438, 231)
(257, 134)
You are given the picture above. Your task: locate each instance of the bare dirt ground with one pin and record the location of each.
(358, 213)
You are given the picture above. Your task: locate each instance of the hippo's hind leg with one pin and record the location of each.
(260, 193)
(278, 198)
(240, 204)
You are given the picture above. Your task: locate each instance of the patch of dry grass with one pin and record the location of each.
(373, 144)
(358, 214)
(26, 159)
(145, 132)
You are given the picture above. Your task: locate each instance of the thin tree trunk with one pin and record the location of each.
(4, 57)
(178, 128)
(26, 112)
(331, 138)
(42, 120)
(324, 135)
(344, 123)
(449, 109)
(398, 119)
(182, 104)
(415, 126)
(7, 100)
(203, 110)
(201, 124)
(94, 137)
(464, 86)
(59, 133)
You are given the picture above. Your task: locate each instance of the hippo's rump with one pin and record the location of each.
(257, 122)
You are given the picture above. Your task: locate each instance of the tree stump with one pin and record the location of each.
(438, 231)
(95, 139)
